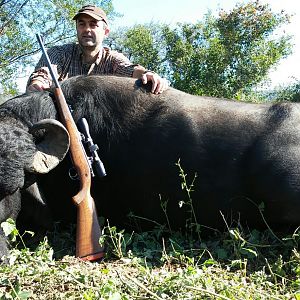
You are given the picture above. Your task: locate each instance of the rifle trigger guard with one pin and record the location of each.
(73, 174)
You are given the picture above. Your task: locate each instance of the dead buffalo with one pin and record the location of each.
(238, 156)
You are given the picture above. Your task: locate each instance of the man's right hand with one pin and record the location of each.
(40, 80)
(37, 85)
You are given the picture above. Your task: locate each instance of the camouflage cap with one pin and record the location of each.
(93, 11)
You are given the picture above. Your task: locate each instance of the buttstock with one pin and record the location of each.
(88, 231)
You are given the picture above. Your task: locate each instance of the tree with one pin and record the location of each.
(221, 56)
(20, 20)
(290, 92)
(226, 55)
(143, 44)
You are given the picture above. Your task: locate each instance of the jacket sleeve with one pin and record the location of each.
(121, 65)
(41, 73)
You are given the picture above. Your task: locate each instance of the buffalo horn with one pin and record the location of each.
(53, 146)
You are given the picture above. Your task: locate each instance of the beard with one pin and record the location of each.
(87, 42)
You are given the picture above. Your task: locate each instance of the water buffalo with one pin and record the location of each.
(238, 154)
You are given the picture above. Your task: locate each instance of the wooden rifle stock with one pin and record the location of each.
(88, 229)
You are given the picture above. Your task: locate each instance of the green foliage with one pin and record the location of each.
(226, 55)
(234, 264)
(289, 93)
(223, 56)
(118, 241)
(142, 44)
(10, 230)
(160, 267)
(192, 223)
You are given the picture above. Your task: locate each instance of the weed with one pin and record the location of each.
(118, 241)
(192, 222)
(10, 230)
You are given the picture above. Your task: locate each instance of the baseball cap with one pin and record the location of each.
(93, 11)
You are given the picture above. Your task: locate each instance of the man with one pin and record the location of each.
(88, 56)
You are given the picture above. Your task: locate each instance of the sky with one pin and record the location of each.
(172, 11)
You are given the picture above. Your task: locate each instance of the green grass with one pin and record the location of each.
(236, 264)
(161, 264)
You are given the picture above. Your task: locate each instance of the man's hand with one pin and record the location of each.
(159, 84)
(41, 79)
(37, 85)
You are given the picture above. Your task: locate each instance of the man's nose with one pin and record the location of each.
(87, 27)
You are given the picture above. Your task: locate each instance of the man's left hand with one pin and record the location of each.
(159, 84)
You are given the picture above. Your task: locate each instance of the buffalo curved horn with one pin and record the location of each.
(53, 146)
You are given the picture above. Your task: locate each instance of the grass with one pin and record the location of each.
(160, 264)
(152, 265)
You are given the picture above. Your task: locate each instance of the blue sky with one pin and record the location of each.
(168, 11)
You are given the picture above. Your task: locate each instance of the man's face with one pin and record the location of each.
(90, 32)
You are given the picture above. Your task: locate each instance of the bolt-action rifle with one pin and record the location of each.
(88, 229)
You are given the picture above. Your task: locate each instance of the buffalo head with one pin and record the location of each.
(24, 152)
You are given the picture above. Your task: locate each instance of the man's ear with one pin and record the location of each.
(106, 32)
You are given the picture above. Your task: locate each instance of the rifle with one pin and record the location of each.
(88, 229)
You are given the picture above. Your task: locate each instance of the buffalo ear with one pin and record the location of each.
(52, 147)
